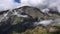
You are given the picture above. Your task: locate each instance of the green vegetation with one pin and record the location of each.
(37, 30)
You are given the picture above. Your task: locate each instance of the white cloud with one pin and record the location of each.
(7, 4)
(10, 4)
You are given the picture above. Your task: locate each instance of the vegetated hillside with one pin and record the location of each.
(11, 22)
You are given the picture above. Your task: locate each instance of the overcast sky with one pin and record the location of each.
(11, 4)
(8, 4)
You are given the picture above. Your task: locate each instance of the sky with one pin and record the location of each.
(18, 1)
(40, 4)
(11, 4)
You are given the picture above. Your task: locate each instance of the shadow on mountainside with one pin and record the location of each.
(8, 28)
